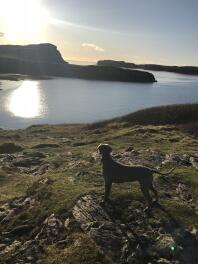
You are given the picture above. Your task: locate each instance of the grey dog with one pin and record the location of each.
(115, 172)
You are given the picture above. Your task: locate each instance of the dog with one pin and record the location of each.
(115, 172)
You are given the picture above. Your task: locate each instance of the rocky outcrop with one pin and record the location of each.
(134, 240)
(137, 238)
(29, 163)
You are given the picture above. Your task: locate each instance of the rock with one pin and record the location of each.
(9, 148)
(95, 155)
(27, 253)
(96, 222)
(45, 181)
(43, 169)
(129, 149)
(8, 210)
(11, 248)
(51, 230)
(67, 223)
(22, 202)
(164, 246)
(88, 210)
(184, 193)
(181, 159)
(2, 246)
(8, 216)
(194, 162)
(107, 235)
(164, 261)
(67, 154)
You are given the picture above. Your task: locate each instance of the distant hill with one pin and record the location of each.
(153, 67)
(45, 59)
(159, 115)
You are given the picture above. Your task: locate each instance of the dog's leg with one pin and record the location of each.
(155, 192)
(107, 191)
(145, 191)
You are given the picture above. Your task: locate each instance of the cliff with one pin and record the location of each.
(35, 53)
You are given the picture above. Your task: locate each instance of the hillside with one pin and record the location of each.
(51, 189)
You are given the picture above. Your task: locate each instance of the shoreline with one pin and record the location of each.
(172, 114)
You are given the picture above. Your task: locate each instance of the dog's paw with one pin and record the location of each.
(102, 203)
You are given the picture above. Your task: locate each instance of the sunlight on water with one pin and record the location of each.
(26, 100)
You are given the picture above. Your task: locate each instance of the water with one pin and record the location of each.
(63, 100)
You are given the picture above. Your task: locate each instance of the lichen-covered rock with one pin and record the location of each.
(51, 229)
(97, 223)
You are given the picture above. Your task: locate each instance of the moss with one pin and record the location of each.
(9, 148)
(83, 250)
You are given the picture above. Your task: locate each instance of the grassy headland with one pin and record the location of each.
(58, 165)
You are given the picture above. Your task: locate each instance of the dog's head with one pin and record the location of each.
(104, 149)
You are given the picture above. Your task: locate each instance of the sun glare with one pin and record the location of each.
(22, 19)
(25, 101)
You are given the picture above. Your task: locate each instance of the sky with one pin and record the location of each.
(140, 31)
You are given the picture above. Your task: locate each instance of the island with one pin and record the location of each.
(193, 70)
(45, 60)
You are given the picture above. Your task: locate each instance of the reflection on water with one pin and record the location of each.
(26, 100)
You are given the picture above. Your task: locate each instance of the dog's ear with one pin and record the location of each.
(104, 148)
(109, 149)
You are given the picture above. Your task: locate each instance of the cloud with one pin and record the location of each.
(2, 35)
(92, 46)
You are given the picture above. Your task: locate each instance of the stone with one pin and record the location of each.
(51, 230)
(130, 148)
(163, 245)
(11, 248)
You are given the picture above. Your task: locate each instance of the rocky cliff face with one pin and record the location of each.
(35, 53)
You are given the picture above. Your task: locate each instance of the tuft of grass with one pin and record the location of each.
(83, 250)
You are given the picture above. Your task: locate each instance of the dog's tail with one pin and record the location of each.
(163, 173)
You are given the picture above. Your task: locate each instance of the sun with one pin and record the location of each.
(22, 19)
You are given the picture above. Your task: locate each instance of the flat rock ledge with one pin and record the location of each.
(95, 221)
(137, 241)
